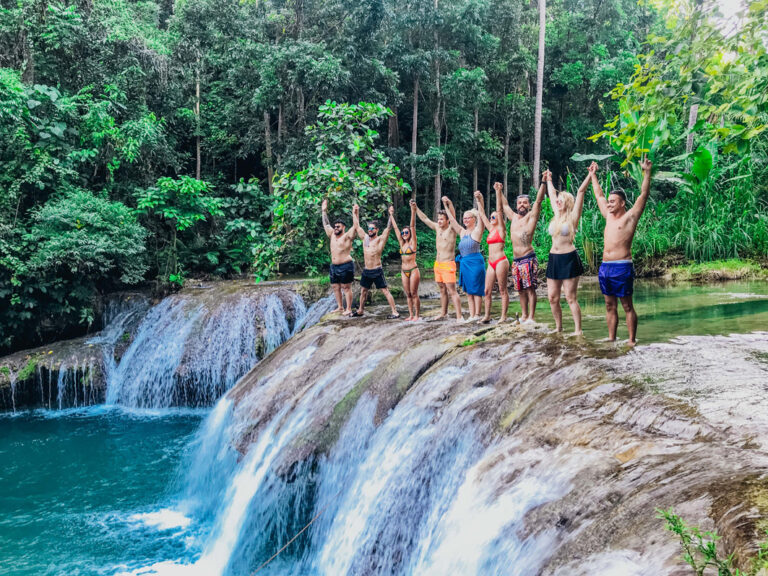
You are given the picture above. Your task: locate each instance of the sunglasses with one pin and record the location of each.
(405, 232)
(493, 217)
(371, 228)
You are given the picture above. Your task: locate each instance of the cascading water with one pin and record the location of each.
(448, 456)
(189, 351)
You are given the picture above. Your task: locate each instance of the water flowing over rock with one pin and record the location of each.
(434, 449)
(185, 351)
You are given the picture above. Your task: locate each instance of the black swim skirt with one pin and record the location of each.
(343, 273)
(564, 266)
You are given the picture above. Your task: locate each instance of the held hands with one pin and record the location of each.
(355, 209)
(498, 186)
(646, 165)
(446, 200)
(413, 205)
(391, 210)
(546, 176)
(593, 168)
(324, 205)
(478, 196)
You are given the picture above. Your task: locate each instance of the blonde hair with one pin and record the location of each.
(474, 213)
(565, 216)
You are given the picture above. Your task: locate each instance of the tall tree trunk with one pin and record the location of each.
(279, 133)
(539, 93)
(414, 134)
(692, 116)
(393, 141)
(507, 131)
(197, 117)
(521, 162)
(436, 118)
(300, 99)
(474, 167)
(268, 140)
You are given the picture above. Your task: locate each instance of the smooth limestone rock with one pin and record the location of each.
(434, 447)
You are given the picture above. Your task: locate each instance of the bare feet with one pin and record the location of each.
(631, 343)
(441, 317)
(485, 320)
(337, 311)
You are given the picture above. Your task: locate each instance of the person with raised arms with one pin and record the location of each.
(498, 263)
(373, 273)
(342, 271)
(445, 262)
(409, 268)
(617, 272)
(525, 265)
(564, 265)
(471, 261)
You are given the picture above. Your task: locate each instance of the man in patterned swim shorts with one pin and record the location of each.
(525, 266)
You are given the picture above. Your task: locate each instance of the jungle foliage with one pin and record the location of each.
(153, 140)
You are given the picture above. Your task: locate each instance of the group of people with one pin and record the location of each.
(564, 267)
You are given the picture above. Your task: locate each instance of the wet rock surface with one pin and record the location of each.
(584, 440)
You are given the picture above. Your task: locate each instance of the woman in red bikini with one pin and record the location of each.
(498, 264)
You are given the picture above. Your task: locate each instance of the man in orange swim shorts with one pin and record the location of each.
(445, 265)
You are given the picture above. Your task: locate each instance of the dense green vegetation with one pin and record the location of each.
(149, 141)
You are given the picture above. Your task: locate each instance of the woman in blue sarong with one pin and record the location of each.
(471, 262)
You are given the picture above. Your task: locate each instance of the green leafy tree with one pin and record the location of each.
(347, 168)
(179, 204)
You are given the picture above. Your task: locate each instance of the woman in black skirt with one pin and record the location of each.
(564, 266)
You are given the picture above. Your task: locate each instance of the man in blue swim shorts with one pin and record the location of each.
(617, 273)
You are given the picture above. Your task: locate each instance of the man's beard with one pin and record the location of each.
(371, 234)
(338, 232)
(522, 211)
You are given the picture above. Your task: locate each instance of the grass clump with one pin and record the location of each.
(28, 370)
(700, 549)
(472, 341)
(732, 269)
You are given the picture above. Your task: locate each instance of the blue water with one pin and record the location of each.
(72, 482)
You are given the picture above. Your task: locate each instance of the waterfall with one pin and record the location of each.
(412, 452)
(190, 350)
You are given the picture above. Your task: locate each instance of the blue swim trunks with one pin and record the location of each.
(617, 278)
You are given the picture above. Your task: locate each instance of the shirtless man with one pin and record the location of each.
(617, 274)
(373, 273)
(445, 264)
(342, 266)
(525, 266)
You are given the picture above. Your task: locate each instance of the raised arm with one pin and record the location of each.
(578, 206)
(551, 192)
(481, 210)
(536, 209)
(326, 222)
(451, 211)
(602, 203)
(477, 233)
(645, 189)
(424, 218)
(356, 222)
(499, 187)
(385, 234)
(413, 224)
(508, 212)
(395, 226)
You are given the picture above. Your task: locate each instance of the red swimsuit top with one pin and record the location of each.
(494, 238)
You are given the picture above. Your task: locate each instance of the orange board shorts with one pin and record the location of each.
(445, 272)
